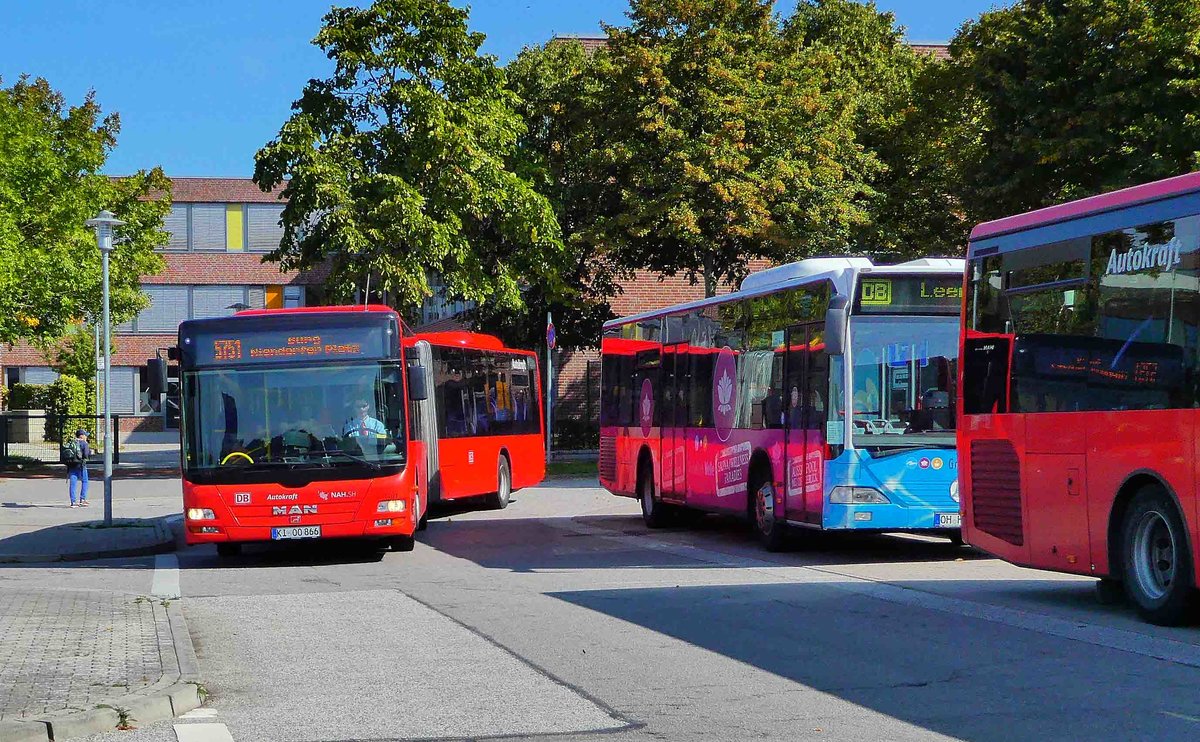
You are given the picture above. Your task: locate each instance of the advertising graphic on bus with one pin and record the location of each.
(819, 395)
(1079, 391)
(332, 423)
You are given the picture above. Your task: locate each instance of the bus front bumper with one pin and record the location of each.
(890, 517)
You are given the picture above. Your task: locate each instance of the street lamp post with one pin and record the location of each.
(103, 224)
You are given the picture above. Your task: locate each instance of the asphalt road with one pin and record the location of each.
(564, 616)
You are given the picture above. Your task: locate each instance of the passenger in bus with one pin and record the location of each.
(362, 425)
(454, 403)
(520, 405)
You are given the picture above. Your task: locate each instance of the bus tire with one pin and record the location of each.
(402, 543)
(499, 499)
(229, 549)
(1110, 592)
(1156, 561)
(655, 512)
(772, 532)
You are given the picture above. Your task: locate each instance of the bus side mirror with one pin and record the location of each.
(835, 325)
(173, 353)
(418, 387)
(156, 373)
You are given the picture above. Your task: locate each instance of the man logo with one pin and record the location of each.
(293, 510)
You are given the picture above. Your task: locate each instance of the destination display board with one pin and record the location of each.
(932, 294)
(230, 345)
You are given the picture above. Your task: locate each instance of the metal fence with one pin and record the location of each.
(577, 412)
(30, 437)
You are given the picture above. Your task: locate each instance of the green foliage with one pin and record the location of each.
(560, 98)
(722, 143)
(399, 163)
(28, 396)
(68, 403)
(1069, 98)
(898, 118)
(75, 354)
(51, 155)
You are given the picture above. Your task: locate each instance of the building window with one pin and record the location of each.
(293, 296)
(168, 307)
(218, 301)
(263, 231)
(208, 226)
(176, 226)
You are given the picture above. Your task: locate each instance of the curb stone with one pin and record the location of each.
(165, 542)
(23, 731)
(167, 699)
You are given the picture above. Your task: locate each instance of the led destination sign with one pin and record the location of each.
(222, 347)
(941, 294)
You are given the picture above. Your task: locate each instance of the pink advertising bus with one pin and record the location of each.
(820, 395)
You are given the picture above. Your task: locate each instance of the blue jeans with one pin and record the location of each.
(79, 475)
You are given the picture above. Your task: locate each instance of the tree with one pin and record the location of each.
(1076, 97)
(900, 118)
(398, 164)
(50, 184)
(561, 100)
(719, 146)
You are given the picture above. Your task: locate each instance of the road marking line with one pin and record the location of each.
(166, 577)
(202, 733)
(1185, 717)
(1167, 650)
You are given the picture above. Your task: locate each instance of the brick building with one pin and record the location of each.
(220, 228)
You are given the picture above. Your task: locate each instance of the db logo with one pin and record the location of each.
(241, 498)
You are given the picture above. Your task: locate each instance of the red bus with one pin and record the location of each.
(303, 424)
(1079, 392)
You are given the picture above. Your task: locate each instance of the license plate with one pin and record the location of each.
(296, 532)
(949, 520)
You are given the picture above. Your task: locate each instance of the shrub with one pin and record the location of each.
(68, 403)
(28, 397)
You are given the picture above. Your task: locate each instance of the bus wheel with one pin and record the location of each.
(229, 549)
(499, 500)
(1109, 592)
(654, 511)
(1156, 561)
(772, 532)
(402, 543)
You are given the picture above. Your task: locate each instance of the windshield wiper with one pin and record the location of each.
(353, 457)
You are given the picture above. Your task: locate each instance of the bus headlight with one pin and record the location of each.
(857, 496)
(954, 490)
(390, 506)
(201, 514)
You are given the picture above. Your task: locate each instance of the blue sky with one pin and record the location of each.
(200, 86)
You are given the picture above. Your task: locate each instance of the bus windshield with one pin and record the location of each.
(349, 415)
(903, 380)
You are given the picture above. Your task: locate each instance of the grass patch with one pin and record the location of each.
(23, 463)
(571, 469)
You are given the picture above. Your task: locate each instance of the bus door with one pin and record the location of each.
(806, 374)
(673, 412)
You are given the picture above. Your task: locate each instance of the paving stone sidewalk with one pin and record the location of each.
(69, 650)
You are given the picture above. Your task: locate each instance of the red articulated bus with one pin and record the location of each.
(1079, 392)
(303, 424)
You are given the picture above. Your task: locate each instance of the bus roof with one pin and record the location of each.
(360, 308)
(463, 339)
(841, 272)
(1140, 194)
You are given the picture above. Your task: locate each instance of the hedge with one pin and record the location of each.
(63, 401)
